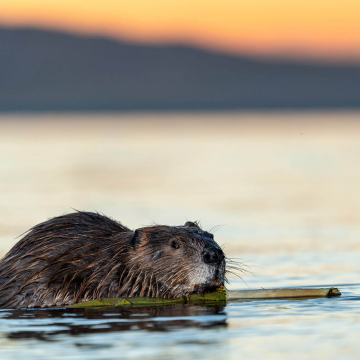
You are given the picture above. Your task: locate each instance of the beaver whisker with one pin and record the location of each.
(233, 273)
(240, 277)
(232, 263)
(216, 228)
(240, 269)
(236, 272)
(235, 261)
(236, 266)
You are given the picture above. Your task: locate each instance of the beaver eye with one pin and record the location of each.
(175, 245)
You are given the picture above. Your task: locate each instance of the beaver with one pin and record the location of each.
(86, 256)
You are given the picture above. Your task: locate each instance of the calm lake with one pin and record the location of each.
(280, 190)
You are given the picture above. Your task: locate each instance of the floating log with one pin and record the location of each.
(221, 295)
(269, 294)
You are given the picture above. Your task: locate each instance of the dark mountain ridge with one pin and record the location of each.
(51, 71)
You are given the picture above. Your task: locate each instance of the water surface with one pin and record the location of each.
(282, 190)
(302, 329)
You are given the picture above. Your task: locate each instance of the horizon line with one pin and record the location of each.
(286, 57)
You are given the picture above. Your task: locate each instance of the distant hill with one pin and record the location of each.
(50, 71)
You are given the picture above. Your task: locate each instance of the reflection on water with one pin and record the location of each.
(84, 332)
(310, 328)
(100, 321)
(284, 188)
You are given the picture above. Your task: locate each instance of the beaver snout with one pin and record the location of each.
(213, 256)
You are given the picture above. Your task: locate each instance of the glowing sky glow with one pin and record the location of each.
(324, 29)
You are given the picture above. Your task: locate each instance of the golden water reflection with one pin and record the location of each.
(276, 183)
(283, 188)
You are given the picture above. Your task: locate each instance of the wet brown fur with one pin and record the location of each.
(85, 256)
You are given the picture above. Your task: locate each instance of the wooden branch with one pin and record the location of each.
(221, 295)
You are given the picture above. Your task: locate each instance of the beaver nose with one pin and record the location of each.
(212, 256)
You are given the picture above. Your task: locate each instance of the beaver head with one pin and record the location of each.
(174, 261)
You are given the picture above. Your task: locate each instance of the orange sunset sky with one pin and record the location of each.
(316, 29)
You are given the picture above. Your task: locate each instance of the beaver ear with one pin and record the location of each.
(135, 239)
(192, 224)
